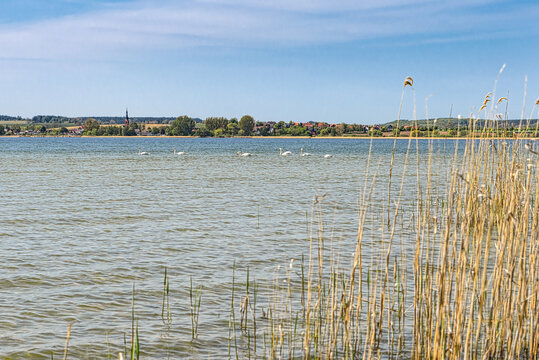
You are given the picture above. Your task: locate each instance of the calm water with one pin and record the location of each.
(83, 219)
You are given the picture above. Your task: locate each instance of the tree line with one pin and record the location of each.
(181, 126)
(247, 126)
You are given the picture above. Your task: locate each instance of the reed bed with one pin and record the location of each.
(467, 288)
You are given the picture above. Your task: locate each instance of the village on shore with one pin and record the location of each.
(248, 126)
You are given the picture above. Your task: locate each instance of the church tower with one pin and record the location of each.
(126, 123)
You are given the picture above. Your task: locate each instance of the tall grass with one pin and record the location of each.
(469, 289)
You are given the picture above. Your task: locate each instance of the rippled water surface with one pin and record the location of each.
(82, 220)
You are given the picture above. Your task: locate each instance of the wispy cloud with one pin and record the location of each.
(142, 25)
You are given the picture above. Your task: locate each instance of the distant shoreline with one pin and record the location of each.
(278, 137)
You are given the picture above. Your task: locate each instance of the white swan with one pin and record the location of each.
(327, 156)
(286, 153)
(179, 153)
(142, 152)
(304, 153)
(239, 153)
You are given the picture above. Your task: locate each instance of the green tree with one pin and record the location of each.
(298, 130)
(101, 131)
(182, 126)
(203, 132)
(90, 124)
(113, 130)
(2, 130)
(325, 132)
(130, 130)
(232, 128)
(265, 130)
(247, 124)
(214, 123)
(284, 131)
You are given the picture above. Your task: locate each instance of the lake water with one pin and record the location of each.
(83, 219)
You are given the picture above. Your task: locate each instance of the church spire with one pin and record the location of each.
(126, 117)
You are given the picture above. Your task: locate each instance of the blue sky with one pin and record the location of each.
(302, 60)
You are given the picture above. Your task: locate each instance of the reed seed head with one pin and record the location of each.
(409, 81)
(487, 98)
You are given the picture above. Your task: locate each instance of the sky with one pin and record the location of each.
(290, 60)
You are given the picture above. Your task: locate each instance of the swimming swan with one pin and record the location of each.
(179, 153)
(142, 152)
(286, 153)
(239, 153)
(304, 153)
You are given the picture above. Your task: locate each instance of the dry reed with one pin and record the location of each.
(475, 267)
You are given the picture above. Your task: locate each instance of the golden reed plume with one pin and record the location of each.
(409, 82)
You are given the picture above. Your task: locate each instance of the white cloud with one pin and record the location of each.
(175, 24)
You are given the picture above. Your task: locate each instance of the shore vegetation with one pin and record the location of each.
(219, 127)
